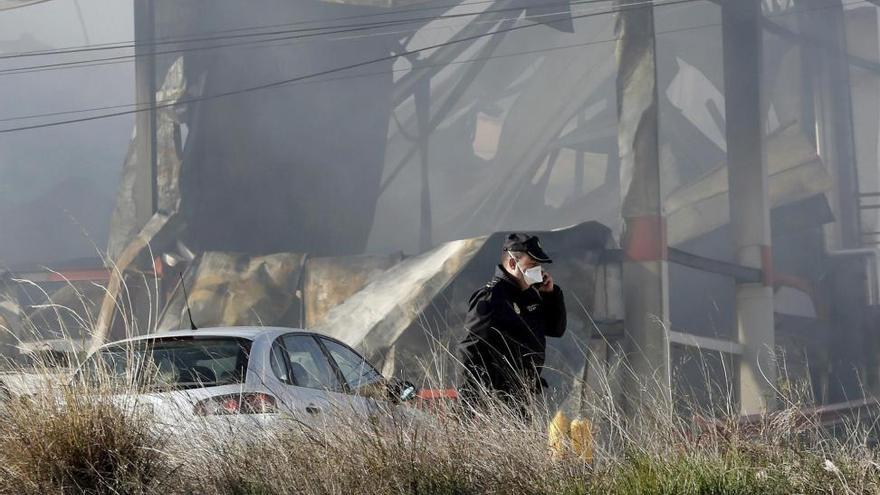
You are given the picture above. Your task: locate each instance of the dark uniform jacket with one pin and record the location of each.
(507, 331)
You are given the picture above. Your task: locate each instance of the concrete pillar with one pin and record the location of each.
(645, 271)
(749, 201)
(144, 196)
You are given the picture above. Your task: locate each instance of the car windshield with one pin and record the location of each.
(170, 363)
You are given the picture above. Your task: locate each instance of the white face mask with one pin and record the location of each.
(533, 275)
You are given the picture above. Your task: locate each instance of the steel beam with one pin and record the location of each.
(145, 191)
(437, 60)
(738, 272)
(468, 76)
(706, 343)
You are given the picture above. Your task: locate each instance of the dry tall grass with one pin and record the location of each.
(61, 440)
(70, 439)
(74, 438)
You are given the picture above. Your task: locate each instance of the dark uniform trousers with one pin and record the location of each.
(504, 351)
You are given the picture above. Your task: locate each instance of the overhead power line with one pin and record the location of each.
(100, 62)
(130, 57)
(380, 73)
(316, 30)
(306, 77)
(95, 62)
(170, 39)
(328, 71)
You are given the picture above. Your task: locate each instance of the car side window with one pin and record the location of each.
(356, 370)
(309, 366)
(278, 362)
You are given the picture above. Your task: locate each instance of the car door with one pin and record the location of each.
(315, 376)
(365, 386)
(306, 376)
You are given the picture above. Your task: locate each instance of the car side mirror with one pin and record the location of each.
(401, 391)
(408, 392)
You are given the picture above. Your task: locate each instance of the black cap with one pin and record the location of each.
(529, 244)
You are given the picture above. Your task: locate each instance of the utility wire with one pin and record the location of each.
(208, 36)
(129, 105)
(283, 82)
(100, 62)
(295, 80)
(128, 58)
(114, 45)
(316, 31)
(378, 73)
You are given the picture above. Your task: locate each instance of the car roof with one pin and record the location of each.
(250, 333)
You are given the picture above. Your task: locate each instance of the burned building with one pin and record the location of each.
(705, 170)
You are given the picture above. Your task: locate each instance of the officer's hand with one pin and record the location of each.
(547, 285)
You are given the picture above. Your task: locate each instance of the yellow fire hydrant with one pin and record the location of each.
(570, 437)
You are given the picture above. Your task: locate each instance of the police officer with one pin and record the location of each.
(508, 322)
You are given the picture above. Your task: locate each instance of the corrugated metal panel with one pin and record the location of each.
(328, 282)
(227, 289)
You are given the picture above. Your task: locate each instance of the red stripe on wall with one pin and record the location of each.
(645, 238)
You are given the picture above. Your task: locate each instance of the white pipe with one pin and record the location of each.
(852, 252)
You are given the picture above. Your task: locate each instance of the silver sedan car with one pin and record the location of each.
(244, 373)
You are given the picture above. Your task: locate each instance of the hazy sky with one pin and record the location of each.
(31, 160)
(57, 23)
(37, 166)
